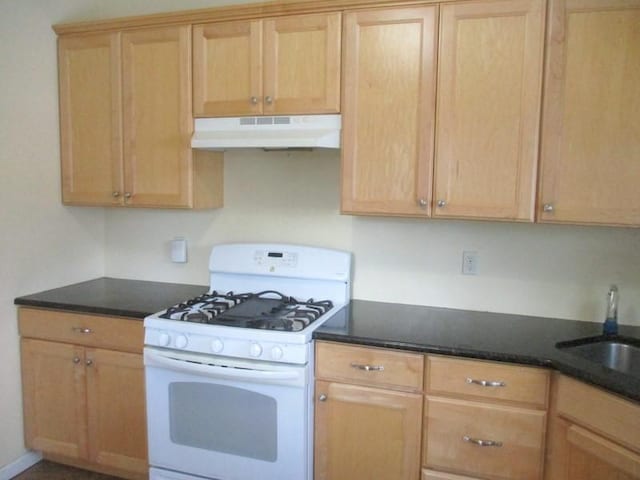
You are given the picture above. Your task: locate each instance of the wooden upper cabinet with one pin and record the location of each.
(227, 68)
(157, 116)
(590, 150)
(90, 118)
(126, 122)
(288, 65)
(388, 107)
(489, 87)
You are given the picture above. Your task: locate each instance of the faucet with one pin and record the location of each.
(610, 326)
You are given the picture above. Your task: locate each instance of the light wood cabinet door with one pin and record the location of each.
(489, 87)
(54, 398)
(90, 119)
(363, 433)
(157, 118)
(227, 69)
(288, 65)
(302, 64)
(117, 414)
(388, 111)
(590, 149)
(591, 457)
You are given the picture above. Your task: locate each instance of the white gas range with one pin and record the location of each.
(230, 373)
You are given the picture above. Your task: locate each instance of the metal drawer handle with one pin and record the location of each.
(368, 368)
(481, 443)
(486, 383)
(81, 330)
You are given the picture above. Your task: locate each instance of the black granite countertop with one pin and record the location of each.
(114, 296)
(483, 335)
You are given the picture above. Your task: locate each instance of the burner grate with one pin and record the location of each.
(269, 310)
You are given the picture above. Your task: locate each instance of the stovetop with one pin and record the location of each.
(269, 310)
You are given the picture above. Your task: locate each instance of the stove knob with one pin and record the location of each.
(181, 341)
(276, 353)
(216, 345)
(164, 339)
(255, 350)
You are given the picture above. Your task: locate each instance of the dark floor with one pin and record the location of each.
(46, 470)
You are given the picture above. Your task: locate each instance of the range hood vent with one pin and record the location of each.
(294, 131)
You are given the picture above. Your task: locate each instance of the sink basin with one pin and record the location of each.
(615, 352)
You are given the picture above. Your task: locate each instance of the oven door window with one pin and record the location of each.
(224, 419)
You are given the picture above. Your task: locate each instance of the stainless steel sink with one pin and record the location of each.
(618, 353)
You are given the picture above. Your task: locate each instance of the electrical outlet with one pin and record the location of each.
(469, 263)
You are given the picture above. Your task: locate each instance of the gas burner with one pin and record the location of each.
(269, 309)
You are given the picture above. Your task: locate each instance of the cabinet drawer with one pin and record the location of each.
(455, 427)
(371, 366)
(93, 331)
(487, 380)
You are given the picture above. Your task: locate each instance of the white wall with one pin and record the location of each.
(43, 244)
(542, 270)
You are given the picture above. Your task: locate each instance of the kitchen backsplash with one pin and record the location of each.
(541, 270)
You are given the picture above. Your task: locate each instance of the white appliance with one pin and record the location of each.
(229, 374)
(290, 131)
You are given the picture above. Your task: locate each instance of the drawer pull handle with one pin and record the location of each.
(481, 443)
(486, 383)
(368, 368)
(81, 330)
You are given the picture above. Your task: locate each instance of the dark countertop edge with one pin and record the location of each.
(132, 314)
(610, 382)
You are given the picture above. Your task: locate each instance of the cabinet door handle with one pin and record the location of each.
(81, 330)
(486, 383)
(368, 368)
(254, 100)
(268, 99)
(548, 208)
(89, 362)
(481, 443)
(442, 203)
(422, 202)
(76, 359)
(322, 398)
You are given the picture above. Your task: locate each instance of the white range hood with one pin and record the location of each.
(292, 131)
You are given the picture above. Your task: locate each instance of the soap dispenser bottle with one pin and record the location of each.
(610, 326)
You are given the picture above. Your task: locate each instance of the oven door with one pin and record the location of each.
(226, 419)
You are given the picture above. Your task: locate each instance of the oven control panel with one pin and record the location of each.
(258, 349)
(274, 259)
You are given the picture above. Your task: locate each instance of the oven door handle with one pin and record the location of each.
(292, 376)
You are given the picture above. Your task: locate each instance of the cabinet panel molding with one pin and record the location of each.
(363, 433)
(90, 119)
(489, 88)
(157, 116)
(590, 149)
(388, 107)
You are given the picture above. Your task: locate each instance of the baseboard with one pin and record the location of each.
(20, 465)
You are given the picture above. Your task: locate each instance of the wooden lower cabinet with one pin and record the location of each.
(54, 390)
(593, 435)
(84, 405)
(364, 433)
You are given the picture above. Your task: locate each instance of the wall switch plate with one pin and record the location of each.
(179, 250)
(469, 263)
